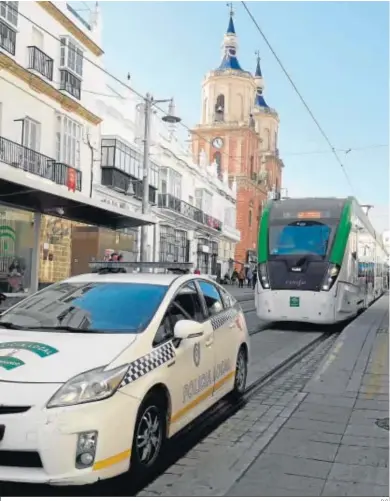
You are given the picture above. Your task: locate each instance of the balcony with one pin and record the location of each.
(189, 211)
(118, 180)
(70, 84)
(40, 62)
(7, 38)
(32, 162)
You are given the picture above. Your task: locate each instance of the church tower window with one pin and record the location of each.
(220, 108)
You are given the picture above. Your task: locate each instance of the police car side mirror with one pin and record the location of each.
(186, 329)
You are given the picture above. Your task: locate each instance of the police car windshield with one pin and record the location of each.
(97, 307)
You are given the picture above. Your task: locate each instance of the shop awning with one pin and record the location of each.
(26, 191)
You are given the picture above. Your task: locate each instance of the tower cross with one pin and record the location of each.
(230, 4)
(257, 53)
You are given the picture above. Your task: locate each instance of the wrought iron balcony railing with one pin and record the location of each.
(40, 62)
(70, 83)
(31, 161)
(175, 204)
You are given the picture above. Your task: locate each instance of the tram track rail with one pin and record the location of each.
(195, 432)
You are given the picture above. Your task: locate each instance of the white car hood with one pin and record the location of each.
(47, 357)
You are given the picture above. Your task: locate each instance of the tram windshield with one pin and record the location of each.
(299, 238)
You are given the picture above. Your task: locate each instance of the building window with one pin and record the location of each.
(219, 110)
(174, 183)
(71, 56)
(251, 167)
(250, 218)
(163, 181)
(9, 12)
(32, 134)
(203, 200)
(119, 155)
(7, 38)
(203, 257)
(173, 245)
(68, 141)
(70, 83)
(267, 139)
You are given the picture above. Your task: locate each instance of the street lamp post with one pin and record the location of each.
(170, 118)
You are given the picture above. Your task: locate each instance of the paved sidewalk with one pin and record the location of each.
(333, 444)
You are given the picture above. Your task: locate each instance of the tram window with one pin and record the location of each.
(299, 237)
(212, 297)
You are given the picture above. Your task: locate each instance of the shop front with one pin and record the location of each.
(207, 257)
(174, 245)
(42, 224)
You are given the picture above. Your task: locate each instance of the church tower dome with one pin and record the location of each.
(259, 80)
(229, 48)
(228, 91)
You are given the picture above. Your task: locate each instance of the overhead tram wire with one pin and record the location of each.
(333, 149)
(141, 96)
(16, 11)
(128, 87)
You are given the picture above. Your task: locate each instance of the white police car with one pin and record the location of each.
(96, 372)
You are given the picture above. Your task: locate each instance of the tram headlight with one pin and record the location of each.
(263, 275)
(331, 276)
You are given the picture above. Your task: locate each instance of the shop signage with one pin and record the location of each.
(118, 204)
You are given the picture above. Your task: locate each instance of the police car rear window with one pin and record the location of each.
(89, 307)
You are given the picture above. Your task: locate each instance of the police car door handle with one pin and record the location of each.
(209, 342)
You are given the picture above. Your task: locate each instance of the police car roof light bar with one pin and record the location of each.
(128, 267)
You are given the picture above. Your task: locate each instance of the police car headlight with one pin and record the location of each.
(90, 386)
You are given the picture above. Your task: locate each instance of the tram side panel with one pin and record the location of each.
(348, 296)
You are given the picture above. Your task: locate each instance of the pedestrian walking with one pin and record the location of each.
(241, 278)
(249, 276)
(254, 280)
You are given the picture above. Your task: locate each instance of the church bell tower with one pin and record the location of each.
(238, 131)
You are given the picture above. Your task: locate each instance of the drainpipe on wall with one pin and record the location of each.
(91, 167)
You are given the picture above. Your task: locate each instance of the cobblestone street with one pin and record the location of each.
(310, 432)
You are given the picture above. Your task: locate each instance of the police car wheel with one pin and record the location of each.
(241, 374)
(149, 434)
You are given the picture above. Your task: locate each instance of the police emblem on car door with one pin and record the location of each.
(191, 379)
(223, 320)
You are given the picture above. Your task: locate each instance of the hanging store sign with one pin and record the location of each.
(118, 204)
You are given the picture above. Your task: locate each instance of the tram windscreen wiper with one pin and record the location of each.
(302, 260)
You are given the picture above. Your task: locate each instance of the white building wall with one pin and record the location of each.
(20, 100)
(123, 118)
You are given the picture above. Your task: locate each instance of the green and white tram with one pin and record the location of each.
(319, 261)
